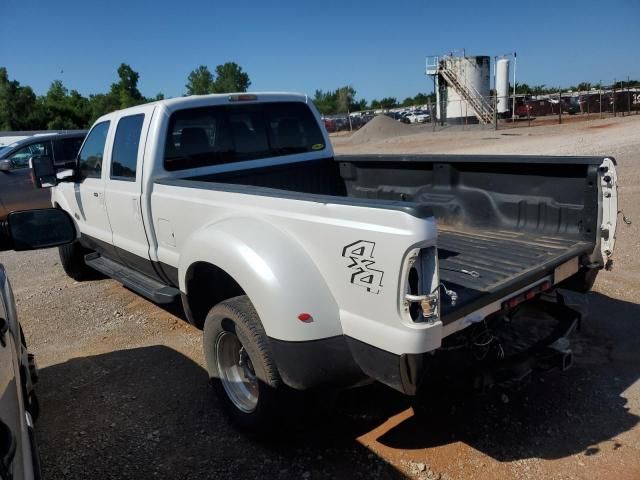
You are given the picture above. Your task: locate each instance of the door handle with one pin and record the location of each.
(96, 194)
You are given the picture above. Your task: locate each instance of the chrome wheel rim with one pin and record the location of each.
(236, 372)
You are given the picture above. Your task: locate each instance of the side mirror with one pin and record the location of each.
(44, 173)
(5, 165)
(33, 229)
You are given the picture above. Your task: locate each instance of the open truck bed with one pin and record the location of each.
(504, 261)
(511, 219)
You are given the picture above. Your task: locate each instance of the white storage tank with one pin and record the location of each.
(502, 85)
(473, 73)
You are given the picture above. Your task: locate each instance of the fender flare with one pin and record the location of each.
(273, 269)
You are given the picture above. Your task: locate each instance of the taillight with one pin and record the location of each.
(421, 291)
(528, 295)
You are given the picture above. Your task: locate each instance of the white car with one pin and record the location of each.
(416, 117)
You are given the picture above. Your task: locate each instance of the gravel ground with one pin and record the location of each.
(124, 393)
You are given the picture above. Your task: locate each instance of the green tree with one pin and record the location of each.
(358, 106)
(57, 108)
(126, 90)
(200, 81)
(539, 89)
(18, 106)
(101, 104)
(340, 100)
(424, 98)
(326, 102)
(344, 98)
(231, 78)
(389, 102)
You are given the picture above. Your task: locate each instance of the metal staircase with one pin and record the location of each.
(481, 107)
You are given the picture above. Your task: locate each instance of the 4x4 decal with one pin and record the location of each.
(361, 255)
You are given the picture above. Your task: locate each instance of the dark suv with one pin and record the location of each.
(16, 190)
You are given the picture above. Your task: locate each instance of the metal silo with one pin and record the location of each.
(464, 87)
(502, 85)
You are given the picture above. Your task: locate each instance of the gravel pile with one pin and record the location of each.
(380, 128)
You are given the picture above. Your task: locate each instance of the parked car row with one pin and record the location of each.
(595, 102)
(410, 116)
(17, 191)
(338, 123)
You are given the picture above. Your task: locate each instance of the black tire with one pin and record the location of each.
(72, 260)
(238, 317)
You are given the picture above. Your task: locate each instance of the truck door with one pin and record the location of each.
(124, 189)
(87, 198)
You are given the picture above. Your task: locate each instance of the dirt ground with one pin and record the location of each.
(124, 393)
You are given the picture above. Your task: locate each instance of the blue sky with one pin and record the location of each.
(379, 47)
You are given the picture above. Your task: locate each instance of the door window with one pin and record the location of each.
(90, 157)
(65, 150)
(124, 157)
(20, 158)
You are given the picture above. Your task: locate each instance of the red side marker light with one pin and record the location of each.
(305, 317)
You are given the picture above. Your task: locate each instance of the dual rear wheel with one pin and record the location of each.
(241, 367)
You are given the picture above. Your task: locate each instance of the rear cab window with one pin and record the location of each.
(215, 135)
(124, 157)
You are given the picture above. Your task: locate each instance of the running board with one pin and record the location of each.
(149, 288)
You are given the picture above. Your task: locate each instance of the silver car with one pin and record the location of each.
(17, 191)
(18, 405)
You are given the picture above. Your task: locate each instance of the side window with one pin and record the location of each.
(90, 157)
(20, 158)
(124, 157)
(65, 150)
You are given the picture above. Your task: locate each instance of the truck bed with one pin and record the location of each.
(511, 219)
(504, 260)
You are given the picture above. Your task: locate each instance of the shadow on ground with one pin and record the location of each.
(556, 415)
(149, 412)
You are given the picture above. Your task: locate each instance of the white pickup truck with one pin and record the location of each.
(309, 271)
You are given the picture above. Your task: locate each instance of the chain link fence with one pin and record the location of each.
(530, 110)
(478, 113)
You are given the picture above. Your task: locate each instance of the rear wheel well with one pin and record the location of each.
(206, 286)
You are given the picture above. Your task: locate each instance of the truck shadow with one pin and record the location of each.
(149, 413)
(581, 410)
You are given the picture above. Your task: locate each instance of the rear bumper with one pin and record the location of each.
(342, 361)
